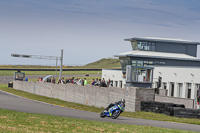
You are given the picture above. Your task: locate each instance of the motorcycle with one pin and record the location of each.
(112, 112)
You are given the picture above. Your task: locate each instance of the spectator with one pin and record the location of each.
(93, 82)
(99, 82)
(75, 81)
(67, 80)
(40, 79)
(53, 80)
(85, 81)
(62, 81)
(109, 83)
(96, 80)
(49, 80)
(79, 81)
(82, 82)
(103, 83)
(26, 79)
(59, 81)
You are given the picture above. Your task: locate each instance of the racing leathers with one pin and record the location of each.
(112, 104)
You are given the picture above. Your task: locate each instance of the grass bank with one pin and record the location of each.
(13, 121)
(142, 115)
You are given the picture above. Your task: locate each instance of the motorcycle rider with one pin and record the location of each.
(122, 102)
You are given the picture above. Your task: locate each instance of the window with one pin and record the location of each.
(141, 74)
(139, 63)
(180, 89)
(120, 84)
(147, 63)
(198, 89)
(124, 62)
(134, 63)
(134, 74)
(172, 89)
(134, 45)
(116, 83)
(148, 46)
(189, 90)
(164, 85)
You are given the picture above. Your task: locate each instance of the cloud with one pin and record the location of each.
(85, 28)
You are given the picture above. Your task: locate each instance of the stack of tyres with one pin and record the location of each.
(168, 107)
(187, 113)
(177, 110)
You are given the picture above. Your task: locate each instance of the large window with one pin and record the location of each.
(142, 63)
(148, 46)
(140, 74)
(124, 62)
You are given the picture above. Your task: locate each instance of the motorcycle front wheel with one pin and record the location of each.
(115, 114)
(102, 115)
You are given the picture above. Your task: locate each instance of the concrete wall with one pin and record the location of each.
(89, 95)
(187, 102)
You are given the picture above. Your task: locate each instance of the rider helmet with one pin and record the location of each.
(123, 100)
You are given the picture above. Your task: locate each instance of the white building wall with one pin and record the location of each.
(169, 75)
(177, 75)
(115, 75)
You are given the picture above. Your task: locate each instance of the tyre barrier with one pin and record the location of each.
(177, 110)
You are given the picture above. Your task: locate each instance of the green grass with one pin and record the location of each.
(13, 121)
(142, 115)
(102, 63)
(105, 63)
(11, 73)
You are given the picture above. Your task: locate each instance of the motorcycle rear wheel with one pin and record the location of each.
(116, 114)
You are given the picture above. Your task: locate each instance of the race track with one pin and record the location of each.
(12, 102)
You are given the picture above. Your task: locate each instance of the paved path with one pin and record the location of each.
(12, 102)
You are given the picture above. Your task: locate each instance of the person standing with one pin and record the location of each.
(85, 81)
(53, 80)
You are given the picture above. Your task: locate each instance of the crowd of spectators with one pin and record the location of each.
(78, 81)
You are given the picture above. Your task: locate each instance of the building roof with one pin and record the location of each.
(162, 55)
(157, 39)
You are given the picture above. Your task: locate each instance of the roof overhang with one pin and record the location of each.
(156, 39)
(189, 58)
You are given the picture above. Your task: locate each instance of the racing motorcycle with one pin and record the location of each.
(112, 112)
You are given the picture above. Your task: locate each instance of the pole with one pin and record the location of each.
(61, 63)
(56, 66)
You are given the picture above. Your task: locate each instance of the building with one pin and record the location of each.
(169, 64)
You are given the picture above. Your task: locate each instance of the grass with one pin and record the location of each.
(103, 63)
(142, 115)
(13, 121)
(11, 73)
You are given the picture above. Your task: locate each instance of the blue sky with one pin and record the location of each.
(89, 30)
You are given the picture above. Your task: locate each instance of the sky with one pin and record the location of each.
(89, 30)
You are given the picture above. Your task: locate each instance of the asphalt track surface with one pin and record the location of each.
(13, 102)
